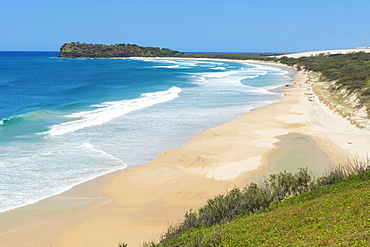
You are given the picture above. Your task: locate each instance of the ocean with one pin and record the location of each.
(67, 121)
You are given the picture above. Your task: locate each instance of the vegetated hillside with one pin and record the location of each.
(77, 50)
(332, 215)
(348, 74)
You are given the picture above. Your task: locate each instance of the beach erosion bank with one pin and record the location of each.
(139, 204)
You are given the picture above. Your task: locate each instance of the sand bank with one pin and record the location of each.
(146, 200)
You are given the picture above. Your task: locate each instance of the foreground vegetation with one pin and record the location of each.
(287, 209)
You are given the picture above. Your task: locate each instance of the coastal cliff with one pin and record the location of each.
(76, 50)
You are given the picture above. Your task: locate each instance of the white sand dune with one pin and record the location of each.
(339, 51)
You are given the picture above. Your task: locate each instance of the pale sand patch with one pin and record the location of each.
(146, 199)
(338, 51)
(226, 170)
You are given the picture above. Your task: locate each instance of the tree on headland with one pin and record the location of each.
(77, 49)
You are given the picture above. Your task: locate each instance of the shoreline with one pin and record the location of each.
(144, 199)
(76, 191)
(82, 188)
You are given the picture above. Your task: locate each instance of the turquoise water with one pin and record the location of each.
(66, 121)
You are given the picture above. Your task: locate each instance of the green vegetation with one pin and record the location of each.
(348, 71)
(280, 212)
(76, 50)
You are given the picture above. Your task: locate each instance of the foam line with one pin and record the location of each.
(111, 110)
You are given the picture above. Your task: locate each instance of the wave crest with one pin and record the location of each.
(11, 120)
(111, 110)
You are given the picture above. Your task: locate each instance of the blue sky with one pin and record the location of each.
(192, 25)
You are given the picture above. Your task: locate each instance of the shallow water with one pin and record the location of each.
(295, 151)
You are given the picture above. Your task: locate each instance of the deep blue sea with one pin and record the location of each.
(66, 121)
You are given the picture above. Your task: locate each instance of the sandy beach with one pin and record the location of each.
(139, 204)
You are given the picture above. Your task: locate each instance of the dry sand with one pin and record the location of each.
(146, 200)
(339, 51)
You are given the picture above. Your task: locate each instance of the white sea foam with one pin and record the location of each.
(54, 165)
(219, 68)
(232, 80)
(213, 62)
(168, 67)
(227, 79)
(161, 61)
(189, 63)
(258, 90)
(33, 195)
(110, 110)
(51, 153)
(219, 74)
(92, 148)
(184, 63)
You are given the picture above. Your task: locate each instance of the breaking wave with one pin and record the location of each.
(111, 110)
